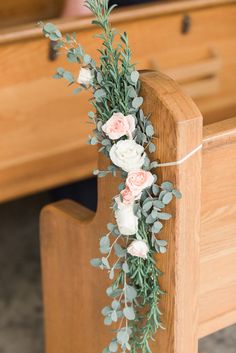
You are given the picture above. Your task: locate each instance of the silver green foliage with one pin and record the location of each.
(115, 86)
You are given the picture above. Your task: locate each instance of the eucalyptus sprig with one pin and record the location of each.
(135, 291)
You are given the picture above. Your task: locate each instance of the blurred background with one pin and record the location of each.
(43, 152)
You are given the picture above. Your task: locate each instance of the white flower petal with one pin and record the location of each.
(127, 155)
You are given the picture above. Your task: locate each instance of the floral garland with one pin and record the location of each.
(124, 133)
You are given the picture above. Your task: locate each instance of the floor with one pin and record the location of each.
(21, 329)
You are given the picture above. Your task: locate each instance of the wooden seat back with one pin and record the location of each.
(74, 292)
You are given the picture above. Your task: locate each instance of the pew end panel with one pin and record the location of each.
(74, 292)
(218, 228)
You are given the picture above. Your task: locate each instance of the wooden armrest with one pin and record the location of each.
(74, 292)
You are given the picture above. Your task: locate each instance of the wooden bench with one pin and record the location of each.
(199, 267)
(43, 134)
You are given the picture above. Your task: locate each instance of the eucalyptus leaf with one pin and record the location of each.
(105, 262)
(96, 262)
(177, 194)
(158, 204)
(155, 189)
(113, 347)
(115, 305)
(94, 140)
(132, 92)
(121, 186)
(131, 293)
(162, 249)
(122, 336)
(161, 242)
(167, 185)
(99, 77)
(50, 27)
(114, 316)
(134, 76)
(106, 310)
(111, 274)
(151, 147)
(154, 214)
(91, 114)
(153, 165)
(129, 313)
(108, 321)
(150, 130)
(147, 205)
(150, 219)
(77, 90)
(99, 94)
(164, 216)
(162, 194)
(68, 76)
(120, 252)
(111, 227)
(125, 267)
(87, 59)
(167, 198)
(71, 57)
(57, 76)
(60, 70)
(105, 242)
(137, 102)
(157, 226)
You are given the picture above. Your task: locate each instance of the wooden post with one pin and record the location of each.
(74, 292)
(178, 127)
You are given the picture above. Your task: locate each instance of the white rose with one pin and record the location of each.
(138, 248)
(127, 155)
(84, 77)
(126, 220)
(119, 125)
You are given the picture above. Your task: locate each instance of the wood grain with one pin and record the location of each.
(122, 15)
(45, 140)
(70, 238)
(218, 227)
(19, 12)
(61, 229)
(198, 79)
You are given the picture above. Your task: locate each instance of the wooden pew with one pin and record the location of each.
(199, 276)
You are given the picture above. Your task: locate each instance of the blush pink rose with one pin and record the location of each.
(127, 196)
(138, 248)
(138, 180)
(119, 125)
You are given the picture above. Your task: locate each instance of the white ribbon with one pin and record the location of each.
(180, 161)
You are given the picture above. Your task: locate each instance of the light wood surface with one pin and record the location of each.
(123, 15)
(74, 293)
(35, 126)
(18, 12)
(65, 239)
(218, 227)
(198, 79)
(204, 68)
(46, 140)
